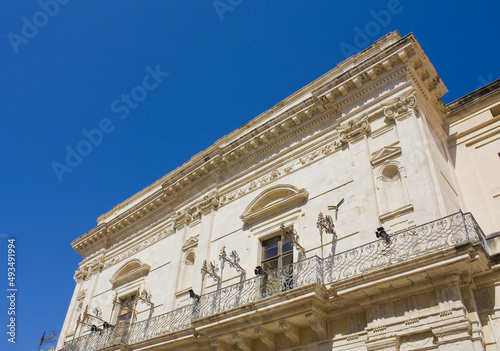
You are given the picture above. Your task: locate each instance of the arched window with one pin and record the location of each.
(127, 280)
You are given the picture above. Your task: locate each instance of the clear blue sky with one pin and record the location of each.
(63, 72)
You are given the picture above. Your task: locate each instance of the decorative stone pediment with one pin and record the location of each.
(130, 271)
(82, 294)
(190, 243)
(353, 128)
(400, 106)
(384, 154)
(272, 201)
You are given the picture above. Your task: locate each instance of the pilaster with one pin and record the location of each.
(422, 186)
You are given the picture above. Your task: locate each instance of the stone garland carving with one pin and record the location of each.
(136, 233)
(418, 341)
(401, 105)
(139, 247)
(353, 128)
(86, 271)
(275, 174)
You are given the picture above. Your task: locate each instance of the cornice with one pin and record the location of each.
(105, 233)
(473, 97)
(319, 100)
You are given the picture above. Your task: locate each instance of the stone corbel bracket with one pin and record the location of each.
(292, 332)
(318, 324)
(266, 337)
(242, 342)
(219, 345)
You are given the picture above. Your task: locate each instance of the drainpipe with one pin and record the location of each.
(494, 332)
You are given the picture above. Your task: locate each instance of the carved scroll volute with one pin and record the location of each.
(352, 129)
(401, 106)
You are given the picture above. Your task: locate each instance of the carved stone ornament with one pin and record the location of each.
(194, 212)
(353, 128)
(190, 243)
(417, 341)
(400, 106)
(182, 218)
(384, 154)
(266, 337)
(82, 294)
(272, 201)
(130, 271)
(209, 203)
(87, 270)
(82, 274)
(291, 331)
(141, 246)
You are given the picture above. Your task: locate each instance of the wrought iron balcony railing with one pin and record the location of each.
(415, 243)
(272, 283)
(161, 325)
(96, 340)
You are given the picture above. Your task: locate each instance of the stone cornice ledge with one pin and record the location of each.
(362, 287)
(313, 294)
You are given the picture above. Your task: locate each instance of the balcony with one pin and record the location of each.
(414, 245)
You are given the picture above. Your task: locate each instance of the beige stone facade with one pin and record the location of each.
(341, 219)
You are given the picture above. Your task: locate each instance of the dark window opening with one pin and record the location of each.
(277, 259)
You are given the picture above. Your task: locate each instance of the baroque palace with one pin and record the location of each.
(360, 213)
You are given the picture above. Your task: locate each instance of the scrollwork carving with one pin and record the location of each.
(353, 128)
(400, 106)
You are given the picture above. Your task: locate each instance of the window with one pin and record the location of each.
(127, 309)
(277, 256)
(276, 253)
(126, 315)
